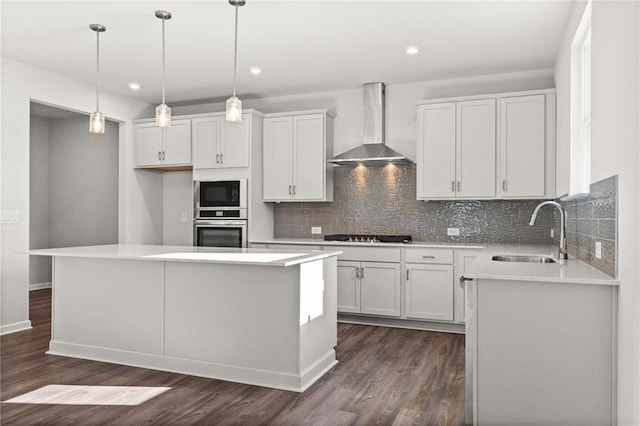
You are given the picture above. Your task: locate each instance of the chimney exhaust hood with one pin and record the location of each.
(373, 150)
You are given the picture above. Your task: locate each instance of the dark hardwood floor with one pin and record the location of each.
(385, 376)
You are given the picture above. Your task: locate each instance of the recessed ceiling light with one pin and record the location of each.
(135, 85)
(412, 50)
(255, 70)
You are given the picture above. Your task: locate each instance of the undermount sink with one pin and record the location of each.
(527, 259)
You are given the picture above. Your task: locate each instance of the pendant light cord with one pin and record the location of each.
(235, 55)
(97, 70)
(163, 60)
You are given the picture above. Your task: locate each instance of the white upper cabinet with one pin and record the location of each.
(170, 147)
(296, 147)
(487, 147)
(457, 150)
(522, 146)
(218, 143)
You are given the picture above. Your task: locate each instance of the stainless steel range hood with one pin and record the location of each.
(373, 150)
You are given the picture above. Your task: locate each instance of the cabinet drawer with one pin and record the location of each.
(370, 254)
(429, 255)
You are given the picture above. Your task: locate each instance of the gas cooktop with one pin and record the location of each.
(360, 238)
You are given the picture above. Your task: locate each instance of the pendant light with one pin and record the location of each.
(163, 112)
(96, 120)
(234, 105)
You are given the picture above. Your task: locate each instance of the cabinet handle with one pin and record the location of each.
(221, 158)
(504, 185)
(164, 155)
(362, 272)
(159, 156)
(462, 280)
(294, 190)
(407, 275)
(459, 186)
(217, 158)
(357, 272)
(428, 257)
(289, 189)
(453, 186)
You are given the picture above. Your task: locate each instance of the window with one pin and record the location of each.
(580, 174)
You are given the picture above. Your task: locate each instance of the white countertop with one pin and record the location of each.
(572, 271)
(321, 242)
(244, 256)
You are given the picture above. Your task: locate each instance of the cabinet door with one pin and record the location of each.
(429, 292)
(463, 261)
(309, 162)
(436, 151)
(348, 287)
(234, 145)
(148, 144)
(177, 143)
(380, 289)
(278, 158)
(522, 146)
(476, 149)
(206, 139)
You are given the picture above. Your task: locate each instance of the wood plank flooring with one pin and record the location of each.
(385, 376)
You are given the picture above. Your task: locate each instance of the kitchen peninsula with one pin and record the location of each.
(257, 316)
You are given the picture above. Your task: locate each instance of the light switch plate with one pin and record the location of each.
(184, 217)
(316, 230)
(453, 232)
(598, 250)
(552, 233)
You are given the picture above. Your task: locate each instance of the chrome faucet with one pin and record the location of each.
(563, 223)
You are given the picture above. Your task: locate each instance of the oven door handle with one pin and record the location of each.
(221, 222)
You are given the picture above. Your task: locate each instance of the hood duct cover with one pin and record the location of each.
(373, 149)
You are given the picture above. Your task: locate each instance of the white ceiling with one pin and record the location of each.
(302, 46)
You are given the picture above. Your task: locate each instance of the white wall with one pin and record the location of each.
(39, 267)
(562, 76)
(83, 184)
(400, 104)
(178, 199)
(615, 150)
(20, 84)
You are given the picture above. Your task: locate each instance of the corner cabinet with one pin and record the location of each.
(169, 147)
(296, 147)
(487, 147)
(219, 144)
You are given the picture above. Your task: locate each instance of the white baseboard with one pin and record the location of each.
(15, 327)
(40, 286)
(213, 370)
(402, 323)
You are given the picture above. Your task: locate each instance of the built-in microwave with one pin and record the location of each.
(220, 199)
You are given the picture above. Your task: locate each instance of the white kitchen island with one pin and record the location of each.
(256, 316)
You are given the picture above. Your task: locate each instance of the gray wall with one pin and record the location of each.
(73, 188)
(178, 199)
(382, 200)
(39, 267)
(84, 184)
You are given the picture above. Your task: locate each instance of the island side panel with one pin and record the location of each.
(318, 316)
(546, 348)
(244, 316)
(107, 303)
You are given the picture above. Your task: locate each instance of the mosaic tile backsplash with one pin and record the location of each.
(382, 200)
(591, 218)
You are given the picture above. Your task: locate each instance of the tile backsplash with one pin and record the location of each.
(382, 200)
(593, 217)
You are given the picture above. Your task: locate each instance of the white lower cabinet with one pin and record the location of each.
(369, 288)
(429, 292)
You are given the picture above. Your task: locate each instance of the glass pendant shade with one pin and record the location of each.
(234, 109)
(163, 116)
(96, 123)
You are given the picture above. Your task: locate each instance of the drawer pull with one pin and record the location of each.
(428, 257)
